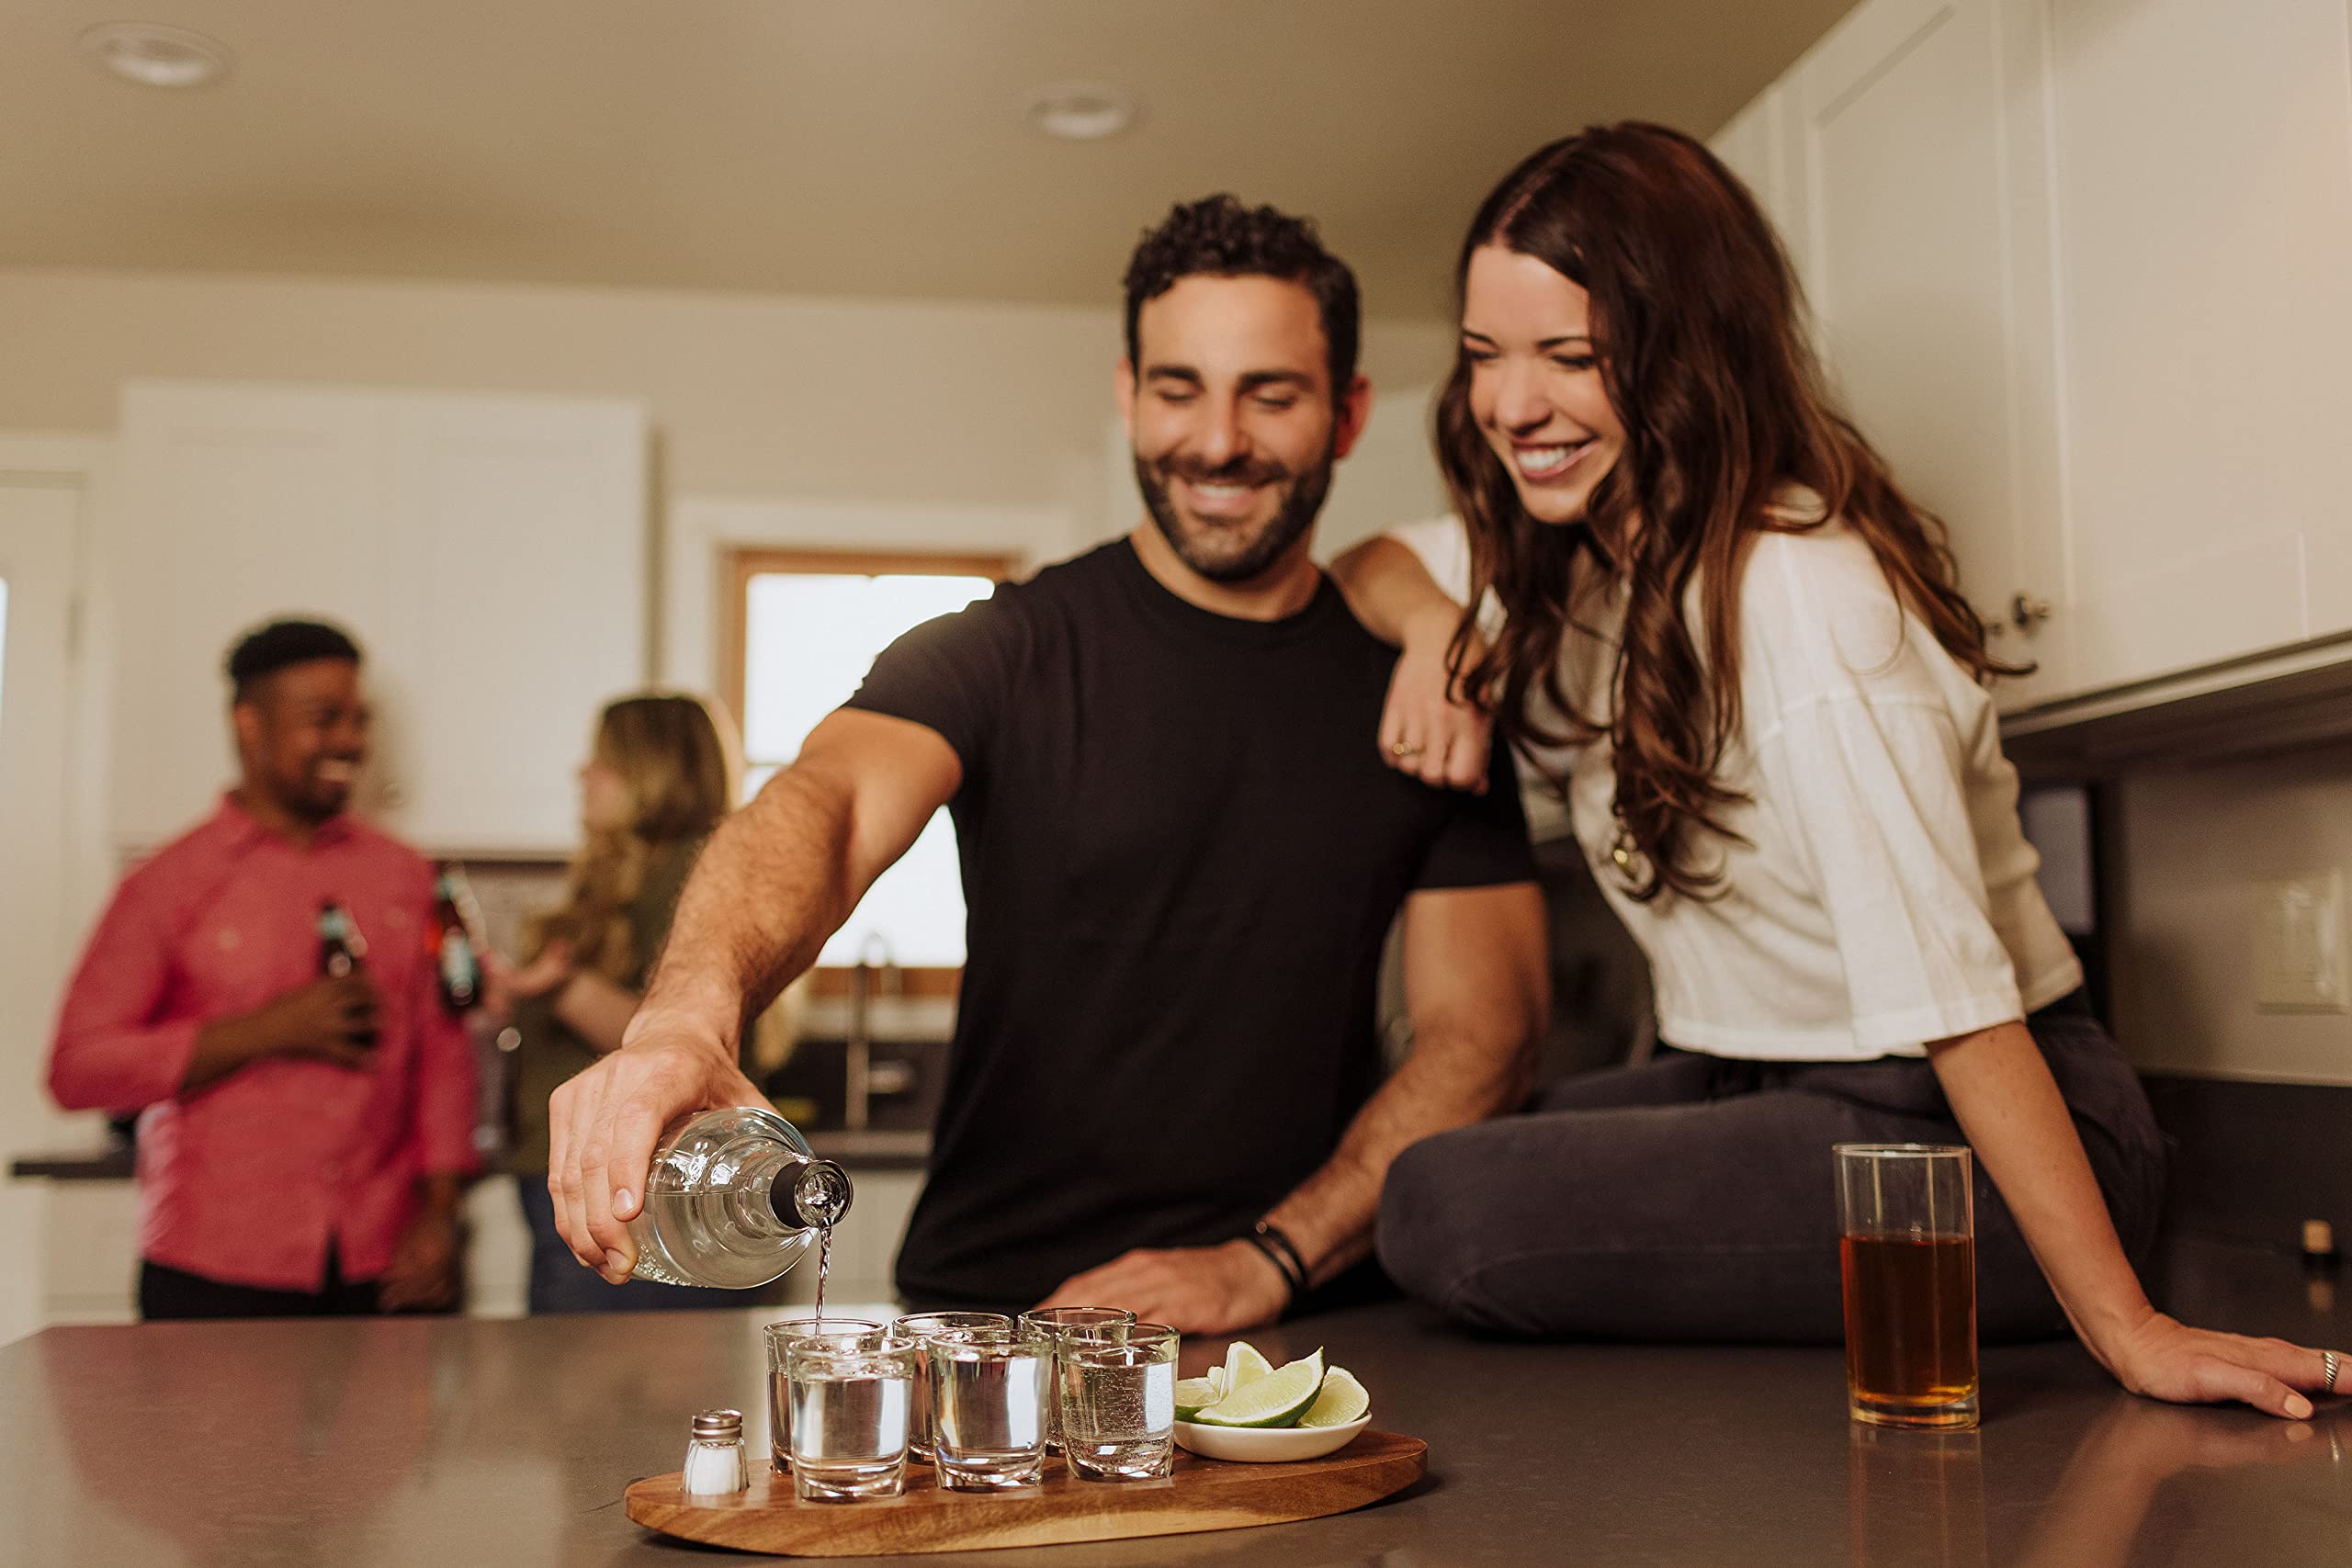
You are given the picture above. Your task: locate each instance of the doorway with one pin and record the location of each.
(43, 504)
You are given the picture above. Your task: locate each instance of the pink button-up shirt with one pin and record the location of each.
(248, 1178)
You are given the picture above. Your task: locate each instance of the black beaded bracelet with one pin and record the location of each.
(1267, 1231)
(1282, 1265)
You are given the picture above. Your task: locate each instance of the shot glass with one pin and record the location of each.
(1117, 1397)
(922, 1327)
(1907, 1247)
(989, 1393)
(849, 1395)
(1053, 1323)
(779, 1336)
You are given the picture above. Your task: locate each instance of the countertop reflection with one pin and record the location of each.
(438, 1441)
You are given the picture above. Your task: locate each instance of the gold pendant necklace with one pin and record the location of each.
(1622, 847)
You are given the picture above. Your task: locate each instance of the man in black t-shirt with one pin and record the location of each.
(1180, 853)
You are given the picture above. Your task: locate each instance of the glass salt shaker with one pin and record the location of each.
(715, 1464)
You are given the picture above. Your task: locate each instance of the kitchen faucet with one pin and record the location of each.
(857, 1047)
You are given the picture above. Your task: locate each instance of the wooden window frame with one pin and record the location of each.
(742, 563)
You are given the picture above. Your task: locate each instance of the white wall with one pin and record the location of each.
(764, 396)
(2191, 846)
(813, 421)
(752, 395)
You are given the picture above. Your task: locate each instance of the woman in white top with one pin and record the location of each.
(1714, 622)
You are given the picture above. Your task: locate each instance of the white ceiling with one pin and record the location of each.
(835, 147)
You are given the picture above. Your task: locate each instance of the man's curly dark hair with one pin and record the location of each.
(1218, 237)
(265, 650)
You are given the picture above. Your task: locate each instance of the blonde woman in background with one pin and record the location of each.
(658, 777)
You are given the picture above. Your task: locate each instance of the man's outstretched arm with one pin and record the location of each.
(775, 882)
(1478, 987)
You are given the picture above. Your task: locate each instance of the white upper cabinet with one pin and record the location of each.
(1922, 227)
(2080, 270)
(2204, 155)
(488, 552)
(516, 606)
(230, 506)
(1762, 146)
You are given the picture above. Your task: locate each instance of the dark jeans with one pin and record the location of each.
(560, 1284)
(1692, 1198)
(168, 1293)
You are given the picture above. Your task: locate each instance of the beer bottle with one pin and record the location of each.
(342, 951)
(454, 957)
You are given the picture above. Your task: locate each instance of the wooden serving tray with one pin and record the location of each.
(1202, 1495)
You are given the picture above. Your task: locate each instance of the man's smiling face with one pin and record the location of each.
(1232, 420)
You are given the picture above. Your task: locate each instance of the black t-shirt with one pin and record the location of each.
(1182, 853)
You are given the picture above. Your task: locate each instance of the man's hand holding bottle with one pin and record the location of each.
(331, 1020)
(604, 1123)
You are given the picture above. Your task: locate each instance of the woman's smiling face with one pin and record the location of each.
(1535, 386)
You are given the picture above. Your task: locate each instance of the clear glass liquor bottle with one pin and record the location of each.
(734, 1198)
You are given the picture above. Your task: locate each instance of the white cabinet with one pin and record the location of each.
(89, 1250)
(2079, 270)
(1761, 146)
(1924, 246)
(488, 552)
(2203, 157)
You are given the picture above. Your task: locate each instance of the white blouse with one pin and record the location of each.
(1886, 894)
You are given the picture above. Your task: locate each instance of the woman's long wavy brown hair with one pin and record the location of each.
(1697, 326)
(675, 760)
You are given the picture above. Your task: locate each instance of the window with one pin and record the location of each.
(806, 625)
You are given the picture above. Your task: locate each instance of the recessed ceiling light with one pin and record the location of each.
(156, 56)
(1082, 111)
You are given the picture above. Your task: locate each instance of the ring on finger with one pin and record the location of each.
(2328, 1366)
(1402, 749)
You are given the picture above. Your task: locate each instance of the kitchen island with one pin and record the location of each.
(442, 1442)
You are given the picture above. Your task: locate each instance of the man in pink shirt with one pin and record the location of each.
(303, 1138)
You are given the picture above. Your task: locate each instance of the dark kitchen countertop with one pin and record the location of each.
(113, 1162)
(434, 1441)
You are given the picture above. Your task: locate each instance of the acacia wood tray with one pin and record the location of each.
(1201, 1494)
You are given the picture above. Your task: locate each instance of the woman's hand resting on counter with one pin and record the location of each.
(2164, 1359)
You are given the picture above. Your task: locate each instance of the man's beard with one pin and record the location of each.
(308, 799)
(1301, 499)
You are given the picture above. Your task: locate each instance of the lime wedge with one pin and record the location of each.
(1342, 1400)
(1217, 1380)
(1194, 1394)
(1243, 1365)
(1278, 1399)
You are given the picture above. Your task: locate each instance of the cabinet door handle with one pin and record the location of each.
(2026, 612)
(392, 795)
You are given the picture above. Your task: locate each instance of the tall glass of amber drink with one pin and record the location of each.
(1907, 1247)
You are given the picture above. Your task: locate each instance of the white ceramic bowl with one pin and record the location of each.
(1267, 1445)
